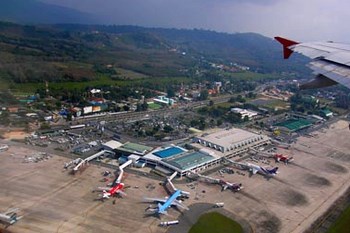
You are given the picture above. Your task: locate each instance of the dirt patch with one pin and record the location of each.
(313, 180)
(15, 135)
(335, 168)
(267, 223)
(340, 125)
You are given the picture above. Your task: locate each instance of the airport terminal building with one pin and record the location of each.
(230, 142)
(175, 158)
(209, 149)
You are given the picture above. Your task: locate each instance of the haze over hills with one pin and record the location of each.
(36, 12)
(68, 52)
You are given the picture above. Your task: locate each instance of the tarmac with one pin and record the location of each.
(52, 200)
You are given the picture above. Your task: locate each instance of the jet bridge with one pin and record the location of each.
(171, 187)
(121, 169)
(88, 159)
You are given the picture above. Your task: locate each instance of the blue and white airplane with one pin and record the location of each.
(167, 202)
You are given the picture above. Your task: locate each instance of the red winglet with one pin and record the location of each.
(286, 43)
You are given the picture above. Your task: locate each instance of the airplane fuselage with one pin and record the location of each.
(261, 170)
(115, 189)
(169, 201)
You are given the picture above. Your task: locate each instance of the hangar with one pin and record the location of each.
(230, 142)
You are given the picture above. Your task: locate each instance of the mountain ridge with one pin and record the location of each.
(36, 12)
(67, 52)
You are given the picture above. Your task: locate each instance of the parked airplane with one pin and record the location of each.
(233, 186)
(116, 189)
(253, 168)
(258, 169)
(224, 184)
(330, 61)
(167, 202)
(283, 158)
(117, 185)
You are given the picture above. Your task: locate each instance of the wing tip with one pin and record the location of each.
(286, 43)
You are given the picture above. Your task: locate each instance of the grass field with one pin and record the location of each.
(101, 81)
(130, 74)
(341, 225)
(214, 222)
(154, 106)
(270, 103)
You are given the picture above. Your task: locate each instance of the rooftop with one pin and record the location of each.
(295, 124)
(228, 137)
(188, 160)
(113, 144)
(135, 148)
(170, 151)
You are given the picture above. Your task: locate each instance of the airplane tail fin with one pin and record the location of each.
(273, 171)
(286, 43)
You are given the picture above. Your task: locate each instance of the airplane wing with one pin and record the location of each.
(330, 61)
(121, 193)
(155, 199)
(179, 204)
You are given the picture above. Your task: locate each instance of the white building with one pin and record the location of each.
(164, 100)
(245, 112)
(111, 145)
(232, 142)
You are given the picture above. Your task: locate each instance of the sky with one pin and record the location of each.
(301, 20)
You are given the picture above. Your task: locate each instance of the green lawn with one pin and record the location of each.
(154, 106)
(341, 225)
(214, 222)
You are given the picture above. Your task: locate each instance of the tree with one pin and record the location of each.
(168, 129)
(170, 92)
(246, 118)
(219, 122)
(144, 106)
(126, 108)
(204, 95)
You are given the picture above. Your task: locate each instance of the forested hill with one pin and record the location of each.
(80, 52)
(261, 53)
(34, 11)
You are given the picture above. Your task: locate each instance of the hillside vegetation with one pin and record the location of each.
(78, 53)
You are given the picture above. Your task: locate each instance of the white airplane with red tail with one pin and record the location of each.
(117, 187)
